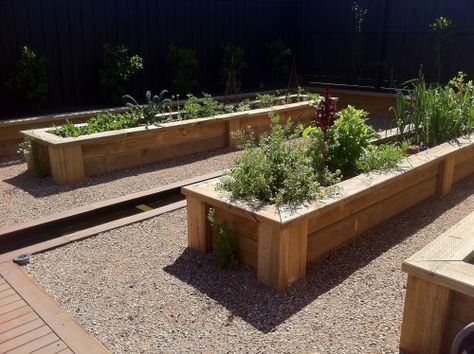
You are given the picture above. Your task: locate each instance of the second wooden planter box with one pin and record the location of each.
(279, 242)
(70, 160)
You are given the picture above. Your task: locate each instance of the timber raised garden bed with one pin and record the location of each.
(440, 291)
(280, 241)
(70, 160)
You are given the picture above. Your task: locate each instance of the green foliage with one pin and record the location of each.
(436, 113)
(29, 81)
(225, 249)
(279, 61)
(206, 106)
(36, 156)
(381, 157)
(153, 106)
(183, 62)
(233, 65)
(243, 106)
(100, 123)
(265, 100)
(278, 171)
(118, 69)
(347, 139)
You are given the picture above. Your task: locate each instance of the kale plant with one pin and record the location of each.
(153, 106)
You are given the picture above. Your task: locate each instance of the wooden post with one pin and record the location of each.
(232, 126)
(199, 230)
(446, 173)
(67, 164)
(424, 316)
(282, 253)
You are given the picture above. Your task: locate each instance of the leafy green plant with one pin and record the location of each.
(444, 29)
(347, 139)
(205, 106)
(225, 249)
(36, 156)
(153, 105)
(265, 100)
(278, 59)
(436, 113)
(233, 65)
(381, 157)
(183, 62)
(118, 69)
(29, 81)
(277, 171)
(100, 123)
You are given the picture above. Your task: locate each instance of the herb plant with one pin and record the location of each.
(381, 157)
(265, 100)
(206, 106)
(277, 171)
(29, 81)
(118, 69)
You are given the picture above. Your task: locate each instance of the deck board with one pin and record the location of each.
(30, 321)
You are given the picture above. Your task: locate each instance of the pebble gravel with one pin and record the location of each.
(139, 290)
(24, 197)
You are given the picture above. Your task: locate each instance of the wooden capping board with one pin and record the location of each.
(444, 261)
(51, 139)
(353, 188)
(60, 322)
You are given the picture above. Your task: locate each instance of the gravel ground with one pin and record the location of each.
(24, 197)
(149, 294)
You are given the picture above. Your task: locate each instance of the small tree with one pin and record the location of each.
(444, 29)
(233, 64)
(29, 81)
(279, 60)
(183, 62)
(118, 69)
(359, 13)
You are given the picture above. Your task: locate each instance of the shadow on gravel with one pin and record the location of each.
(241, 293)
(43, 187)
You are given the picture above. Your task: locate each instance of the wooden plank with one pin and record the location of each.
(50, 312)
(199, 231)
(15, 313)
(345, 230)
(241, 226)
(20, 330)
(424, 317)
(12, 306)
(19, 321)
(9, 299)
(54, 347)
(463, 170)
(35, 344)
(67, 165)
(25, 338)
(462, 308)
(7, 293)
(446, 174)
(4, 286)
(452, 329)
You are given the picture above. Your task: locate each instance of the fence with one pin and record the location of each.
(395, 39)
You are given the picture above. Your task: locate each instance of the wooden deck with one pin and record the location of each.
(32, 322)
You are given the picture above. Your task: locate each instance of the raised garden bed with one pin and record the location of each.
(70, 160)
(440, 291)
(279, 242)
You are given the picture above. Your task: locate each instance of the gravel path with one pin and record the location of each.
(24, 197)
(149, 294)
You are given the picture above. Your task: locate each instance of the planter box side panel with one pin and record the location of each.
(157, 145)
(376, 105)
(342, 231)
(464, 165)
(244, 232)
(461, 314)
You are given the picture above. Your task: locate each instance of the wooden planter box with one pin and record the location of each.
(440, 291)
(73, 159)
(279, 242)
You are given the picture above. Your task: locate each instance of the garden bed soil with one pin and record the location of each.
(280, 241)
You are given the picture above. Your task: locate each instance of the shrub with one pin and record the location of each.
(183, 62)
(233, 65)
(278, 171)
(347, 139)
(118, 69)
(29, 81)
(206, 106)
